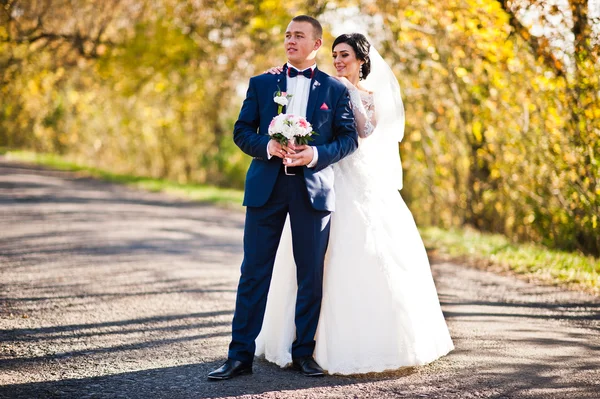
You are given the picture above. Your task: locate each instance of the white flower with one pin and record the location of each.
(281, 100)
(276, 125)
(287, 129)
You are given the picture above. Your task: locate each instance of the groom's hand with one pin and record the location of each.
(275, 149)
(303, 156)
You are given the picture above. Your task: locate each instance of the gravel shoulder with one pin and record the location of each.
(110, 292)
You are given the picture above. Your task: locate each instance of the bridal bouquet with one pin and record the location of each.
(288, 128)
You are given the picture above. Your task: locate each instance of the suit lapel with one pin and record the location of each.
(281, 85)
(315, 85)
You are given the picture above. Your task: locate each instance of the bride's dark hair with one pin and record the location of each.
(360, 45)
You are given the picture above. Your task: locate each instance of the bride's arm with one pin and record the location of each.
(364, 113)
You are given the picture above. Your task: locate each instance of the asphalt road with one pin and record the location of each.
(109, 292)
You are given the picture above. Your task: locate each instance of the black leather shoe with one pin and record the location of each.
(308, 366)
(231, 368)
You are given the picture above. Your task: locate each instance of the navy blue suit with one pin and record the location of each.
(270, 195)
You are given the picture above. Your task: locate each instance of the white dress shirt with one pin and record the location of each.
(299, 88)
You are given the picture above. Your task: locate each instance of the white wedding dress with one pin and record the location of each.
(380, 310)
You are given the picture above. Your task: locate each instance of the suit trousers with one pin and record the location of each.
(262, 232)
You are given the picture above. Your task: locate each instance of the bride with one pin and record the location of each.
(380, 309)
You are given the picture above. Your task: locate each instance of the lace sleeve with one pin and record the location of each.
(364, 112)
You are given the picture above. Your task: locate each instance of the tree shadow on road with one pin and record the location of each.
(187, 381)
(507, 379)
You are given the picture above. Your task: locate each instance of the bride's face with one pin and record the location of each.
(345, 62)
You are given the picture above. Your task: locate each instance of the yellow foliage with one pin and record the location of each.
(495, 137)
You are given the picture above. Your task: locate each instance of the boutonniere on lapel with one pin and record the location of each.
(282, 99)
(316, 84)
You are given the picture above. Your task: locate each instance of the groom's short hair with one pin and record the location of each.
(317, 28)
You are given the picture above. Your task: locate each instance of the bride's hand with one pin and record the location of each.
(346, 82)
(274, 70)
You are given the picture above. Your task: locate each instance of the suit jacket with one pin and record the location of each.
(336, 136)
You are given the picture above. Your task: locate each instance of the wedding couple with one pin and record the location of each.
(348, 291)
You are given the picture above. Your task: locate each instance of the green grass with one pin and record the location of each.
(490, 251)
(495, 251)
(195, 192)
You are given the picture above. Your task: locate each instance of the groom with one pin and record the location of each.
(305, 192)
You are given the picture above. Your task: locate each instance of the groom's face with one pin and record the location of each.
(300, 43)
